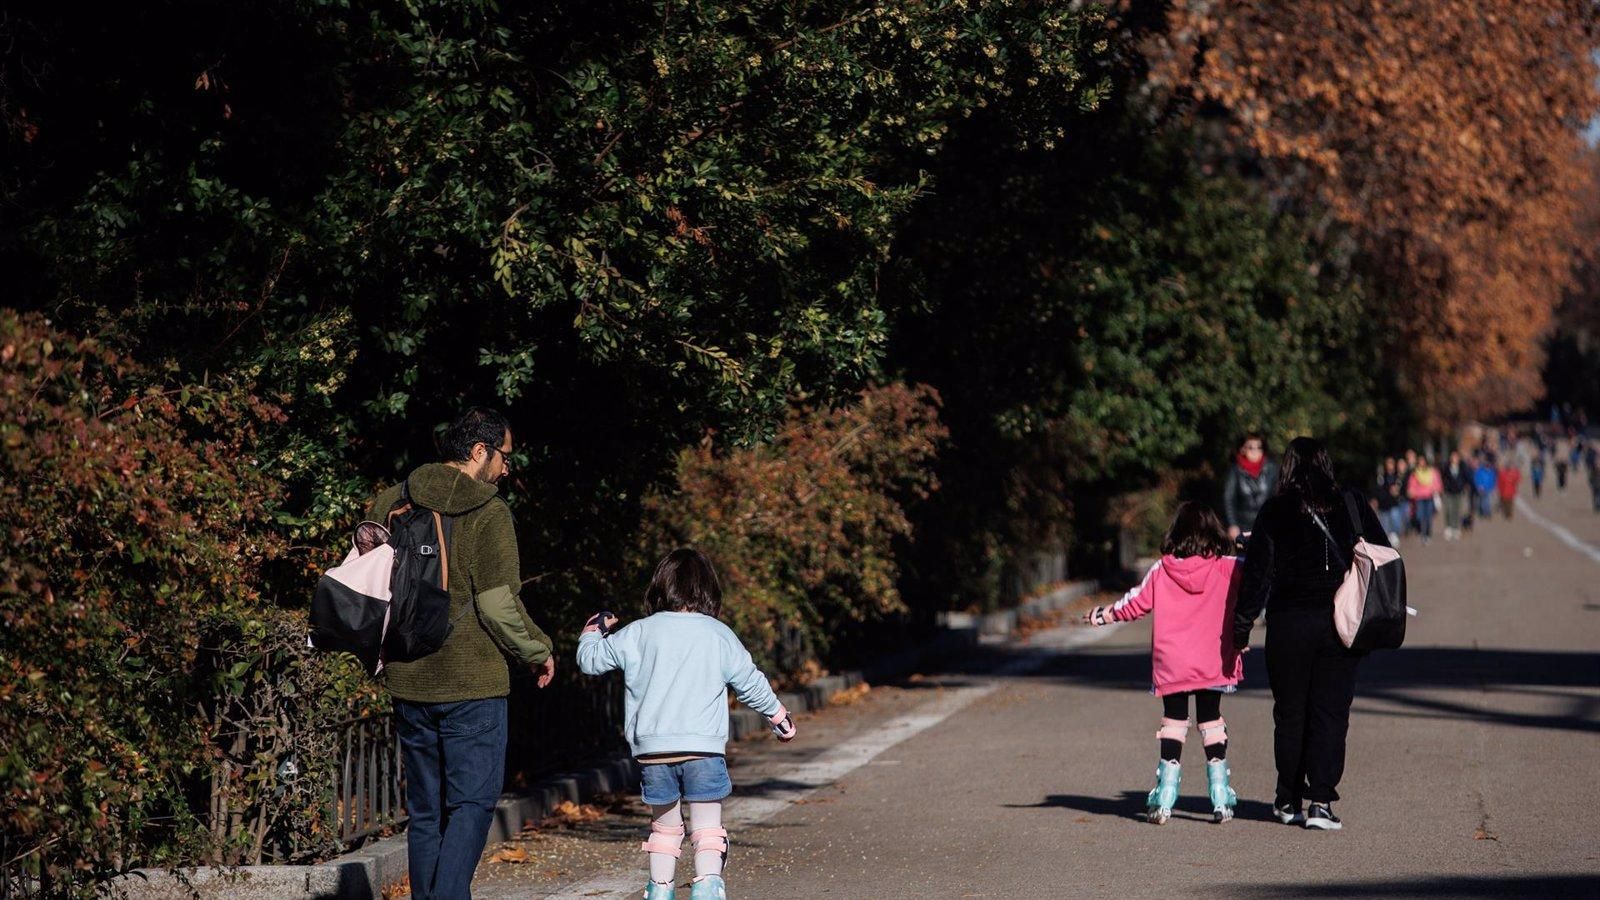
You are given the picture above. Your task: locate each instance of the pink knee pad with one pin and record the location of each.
(1173, 729)
(710, 840)
(666, 839)
(1213, 733)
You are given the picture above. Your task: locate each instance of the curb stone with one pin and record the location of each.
(1004, 623)
(364, 874)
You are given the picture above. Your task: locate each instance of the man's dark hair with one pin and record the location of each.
(684, 581)
(478, 425)
(1196, 531)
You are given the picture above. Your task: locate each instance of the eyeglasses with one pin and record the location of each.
(503, 455)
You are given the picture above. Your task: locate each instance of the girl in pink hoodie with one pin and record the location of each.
(1191, 590)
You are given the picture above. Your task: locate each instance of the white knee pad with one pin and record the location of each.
(1173, 730)
(666, 839)
(709, 840)
(1214, 732)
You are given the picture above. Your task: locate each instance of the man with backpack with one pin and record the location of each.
(450, 705)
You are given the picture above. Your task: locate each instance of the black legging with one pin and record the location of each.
(1313, 680)
(1207, 705)
(1207, 708)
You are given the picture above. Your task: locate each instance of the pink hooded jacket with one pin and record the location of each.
(1191, 645)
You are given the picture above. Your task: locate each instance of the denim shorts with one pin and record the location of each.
(693, 781)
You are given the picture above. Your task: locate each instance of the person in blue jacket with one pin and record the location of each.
(677, 666)
(1484, 481)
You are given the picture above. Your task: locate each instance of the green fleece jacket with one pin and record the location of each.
(491, 624)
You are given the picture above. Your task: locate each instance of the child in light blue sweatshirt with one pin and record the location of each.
(677, 665)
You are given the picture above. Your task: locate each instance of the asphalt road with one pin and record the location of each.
(1474, 764)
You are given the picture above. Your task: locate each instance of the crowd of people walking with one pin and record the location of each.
(1410, 491)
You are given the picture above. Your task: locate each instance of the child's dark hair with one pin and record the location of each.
(1196, 531)
(684, 581)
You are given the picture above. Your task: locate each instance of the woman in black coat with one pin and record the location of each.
(1252, 479)
(1292, 570)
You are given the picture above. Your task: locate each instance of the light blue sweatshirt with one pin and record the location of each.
(678, 667)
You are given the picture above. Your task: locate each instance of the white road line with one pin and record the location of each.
(843, 758)
(1561, 533)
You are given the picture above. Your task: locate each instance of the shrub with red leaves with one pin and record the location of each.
(802, 529)
(136, 525)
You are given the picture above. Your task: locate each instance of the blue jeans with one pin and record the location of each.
(455, 763)
(1486, 504)
(1394, 519)
(1425, 517)
(694, 781)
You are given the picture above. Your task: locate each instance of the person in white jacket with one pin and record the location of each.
(677, 665)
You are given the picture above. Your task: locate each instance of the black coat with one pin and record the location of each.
(1391, 490)
(1288, 564)
(1243, 495)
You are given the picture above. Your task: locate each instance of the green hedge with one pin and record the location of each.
(149, 694)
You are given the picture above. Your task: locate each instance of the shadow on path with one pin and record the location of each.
(1475, 886)
(1396, 678)
(1130, 805)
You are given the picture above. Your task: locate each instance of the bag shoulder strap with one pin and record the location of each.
(1355, 513)
(1331, 542)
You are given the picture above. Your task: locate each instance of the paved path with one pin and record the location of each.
(1474, 764)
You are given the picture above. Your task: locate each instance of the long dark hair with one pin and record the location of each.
(1196, 531)
(1308, 475)
(684, 581)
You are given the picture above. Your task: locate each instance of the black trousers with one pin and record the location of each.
(1313, 679)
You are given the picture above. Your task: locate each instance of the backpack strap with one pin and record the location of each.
(441, 527)
(402, 504)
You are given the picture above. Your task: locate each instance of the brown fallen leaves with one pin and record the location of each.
(567, 814)
(511, 855)
(1028, 626)
(850, 695)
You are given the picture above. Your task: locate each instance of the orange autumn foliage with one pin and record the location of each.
(1444, 134)
(803, 528)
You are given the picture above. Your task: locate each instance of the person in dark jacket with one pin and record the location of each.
(450, 707)
(1292, 570)
(1251, 480)
(1457, 494)
(1391, 499)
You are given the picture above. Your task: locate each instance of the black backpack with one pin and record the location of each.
(419, 605)
(415, 620)
(1369, 607)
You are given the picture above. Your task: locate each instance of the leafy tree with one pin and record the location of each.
(1441, 135)
(629, 222)
(1120, 314)
(141, 672)
(1572, 362)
